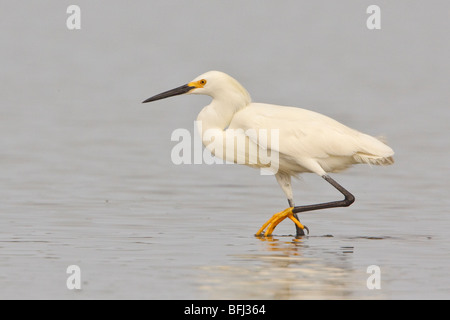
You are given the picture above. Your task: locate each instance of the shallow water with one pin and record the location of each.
(87, 177)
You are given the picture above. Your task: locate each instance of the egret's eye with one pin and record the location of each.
(202, 82)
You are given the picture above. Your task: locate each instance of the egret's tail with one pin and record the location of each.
(374, 151)
(372, 159)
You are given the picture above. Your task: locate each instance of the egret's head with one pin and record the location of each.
(212, 83)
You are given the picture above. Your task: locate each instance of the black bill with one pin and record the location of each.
(174, 92)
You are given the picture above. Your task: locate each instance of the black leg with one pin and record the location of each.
(299, 231)
(349, 199)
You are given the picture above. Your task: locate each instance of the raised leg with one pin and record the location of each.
(272, 223)
(292, 211)
(349, 199)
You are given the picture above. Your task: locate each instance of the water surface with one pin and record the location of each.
(87, 177)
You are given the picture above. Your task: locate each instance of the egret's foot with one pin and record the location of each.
(301, 232)
(276, 219)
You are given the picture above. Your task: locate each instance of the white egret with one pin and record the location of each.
(308, 141)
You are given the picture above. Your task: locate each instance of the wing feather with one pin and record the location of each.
(306, 135)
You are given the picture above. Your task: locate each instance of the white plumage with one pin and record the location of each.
(308, 141)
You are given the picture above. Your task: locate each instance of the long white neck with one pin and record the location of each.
(219, 113)
(213, 120)
(228, 98)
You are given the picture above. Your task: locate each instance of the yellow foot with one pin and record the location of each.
(276, 219)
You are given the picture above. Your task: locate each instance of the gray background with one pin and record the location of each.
(86, 175)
